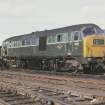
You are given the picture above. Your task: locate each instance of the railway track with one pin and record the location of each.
(42, 96)
(75, 75)
(9, 97)
(40, 88)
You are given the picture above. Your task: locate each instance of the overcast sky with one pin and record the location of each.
(25, 16)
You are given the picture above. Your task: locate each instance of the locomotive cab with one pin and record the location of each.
(94, 52)
(94, 46)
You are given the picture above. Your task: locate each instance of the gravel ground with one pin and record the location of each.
(82, 87)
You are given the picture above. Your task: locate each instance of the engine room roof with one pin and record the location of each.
(58, 30)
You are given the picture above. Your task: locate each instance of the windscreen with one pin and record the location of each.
(89, 31)
(98, 42)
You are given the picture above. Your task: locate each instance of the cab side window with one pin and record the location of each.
(23, 42)
(51, 39)
(69, 36)
(62, 37)
(59, 38)
(76, 36)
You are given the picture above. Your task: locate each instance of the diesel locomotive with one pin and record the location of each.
(74, 48)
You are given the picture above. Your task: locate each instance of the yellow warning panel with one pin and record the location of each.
(94, 46)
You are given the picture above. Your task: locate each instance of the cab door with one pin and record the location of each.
(75, 46)
(70, 43)
(43, 43)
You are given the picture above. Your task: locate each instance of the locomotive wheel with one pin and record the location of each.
(96, 69)
(99, 68)
(86, 69)
(73, 70)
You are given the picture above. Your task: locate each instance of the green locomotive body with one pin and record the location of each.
(49, 49)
